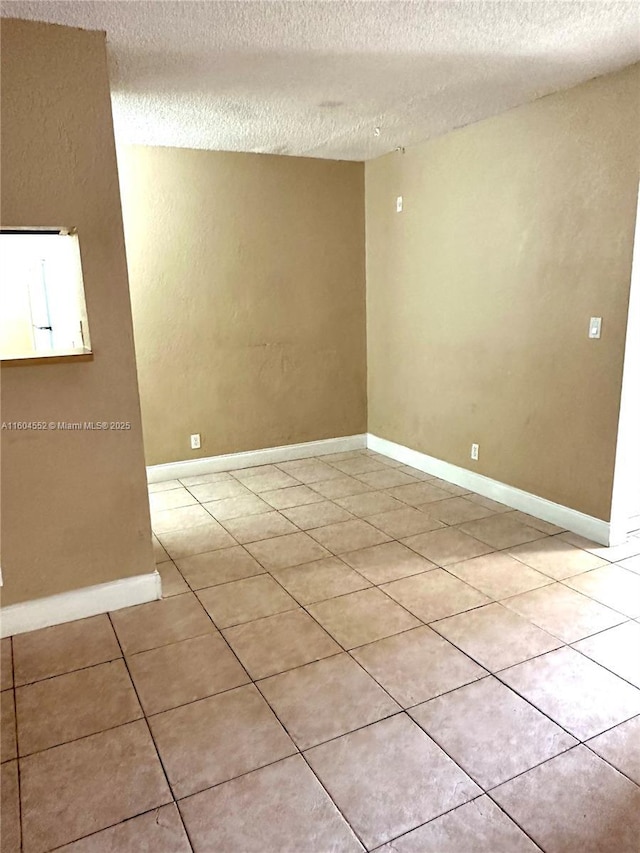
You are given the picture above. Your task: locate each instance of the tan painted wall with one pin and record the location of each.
(514, 232)
(74, 508)
(248, 297)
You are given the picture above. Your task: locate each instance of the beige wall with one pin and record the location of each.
(514, 232)
(74, 508)
(248, 297)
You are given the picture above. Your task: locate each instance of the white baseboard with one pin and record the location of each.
(269, 455)
(586, 525)
(78, 604)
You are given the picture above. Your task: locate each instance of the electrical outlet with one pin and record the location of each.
(195, 441)
(475, 451)
(399, 204)
(595, 327)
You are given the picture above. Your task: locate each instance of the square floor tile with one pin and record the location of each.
(164, 486)
(285, 551)
(387, 562)
(456, 510)
(184, 672)
(416, 494)
(490, 731)
(198, 479)
(617, 649)
(434, 595)
(317, 515)
(414, 472)
(501, 531)
(310, 470)
(8, 747)
(451, 488)
(495, 637)
(245, 810)
(611, 585)
(196, 540)
(407, 521)
(632, 564)
(447, 546)
(325, 699)
(496, 506)
(253, 528)
(537, 523)
(227, 508)
(10, 808)
(63, 648)
(362, 617)
(498, 575)
(74, 705)
(369, 503)
(244, 474)
(6, 664)
(81, 787)
(358, 465)
(389, 778)
(171, 499)
(158, 623)
(320, 580)
(479, 826)
(556, 558)
(242, 601)
(575, 802)
(385, 478)
(270, 480)
(564, 613)
(278, 643)
(214, 567)
(417, 665)
(620, 746)
(218, 490)
(386, 460)
(290, 497)
(166, 520)
(581, 696)
(348, 536)
(215, 739)
(172, 581)
(159, 831)
(341, 487)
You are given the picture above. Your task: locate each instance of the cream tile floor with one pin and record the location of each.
(350, 655)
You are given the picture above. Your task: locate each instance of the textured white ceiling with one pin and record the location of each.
(318, 78)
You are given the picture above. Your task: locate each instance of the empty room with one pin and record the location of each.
(320, 407)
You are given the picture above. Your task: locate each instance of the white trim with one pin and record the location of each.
(232, 461)
(78, 604)
(563, 516)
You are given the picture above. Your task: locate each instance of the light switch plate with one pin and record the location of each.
(595, 327)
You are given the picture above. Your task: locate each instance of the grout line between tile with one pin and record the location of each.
(391, 841)
(119, 823)
(401, 710)
(153, 740)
